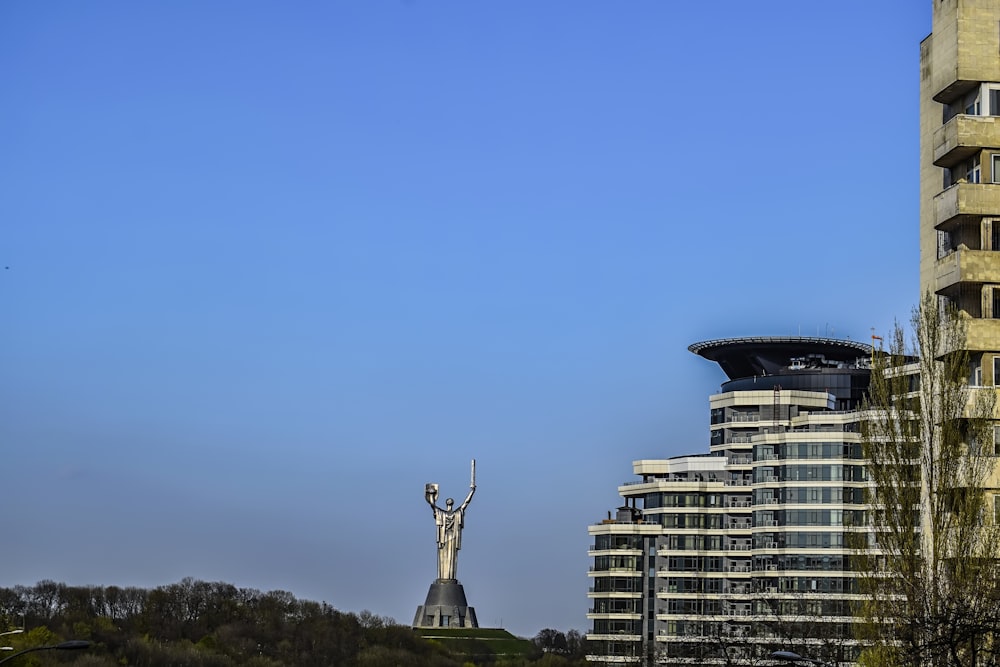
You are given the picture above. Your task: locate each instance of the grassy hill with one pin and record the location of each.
(478, 643)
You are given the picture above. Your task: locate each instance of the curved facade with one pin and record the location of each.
(748, 544)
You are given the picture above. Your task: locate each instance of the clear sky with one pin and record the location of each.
(267, 268)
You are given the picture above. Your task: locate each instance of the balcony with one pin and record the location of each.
(964, 136)
(970, 266)
(974, 199)
(593, 592)
(624, 659)
(612, 569)
(593, 613)
(982, 334)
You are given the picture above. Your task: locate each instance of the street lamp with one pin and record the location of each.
(71, 645)
(790, 656)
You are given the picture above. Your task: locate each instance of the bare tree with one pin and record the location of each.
(815, 624)
(929, 568)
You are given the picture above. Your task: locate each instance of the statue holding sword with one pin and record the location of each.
(449, 520)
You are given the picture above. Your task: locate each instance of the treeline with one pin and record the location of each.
(213, 624)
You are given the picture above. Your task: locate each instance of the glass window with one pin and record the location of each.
(995, 173)
(972, 107)
(944, 241)
(994, 97)
(972, 170)
(994, 232)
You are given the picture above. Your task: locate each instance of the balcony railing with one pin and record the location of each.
(737, 612)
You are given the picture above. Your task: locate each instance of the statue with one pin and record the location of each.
(446, 605)
(450, 522)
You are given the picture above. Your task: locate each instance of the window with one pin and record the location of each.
(984, 100)
(972, 106)
(972, 170)
(964, 172)
(976, 373)
(944, 247)
(995, 168)
(992, 230)
(996, 358)
(996, 509)
(993, 95)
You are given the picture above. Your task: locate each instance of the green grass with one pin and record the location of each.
(468, 641)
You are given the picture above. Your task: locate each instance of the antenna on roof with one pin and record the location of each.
(875, 338)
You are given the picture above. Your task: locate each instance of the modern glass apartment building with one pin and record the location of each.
(718, 557)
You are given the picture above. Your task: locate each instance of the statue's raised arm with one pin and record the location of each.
(472, 488)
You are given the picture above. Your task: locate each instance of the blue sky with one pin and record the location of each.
(274, 266)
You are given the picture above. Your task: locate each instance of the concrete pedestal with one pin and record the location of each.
(445, 607)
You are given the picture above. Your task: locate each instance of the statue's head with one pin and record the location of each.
(449, 502)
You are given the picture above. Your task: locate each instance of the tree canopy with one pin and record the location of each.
(196, 623)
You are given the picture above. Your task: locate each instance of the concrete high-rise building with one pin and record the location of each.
(960, 170)
(731, 554)
(960, 179)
